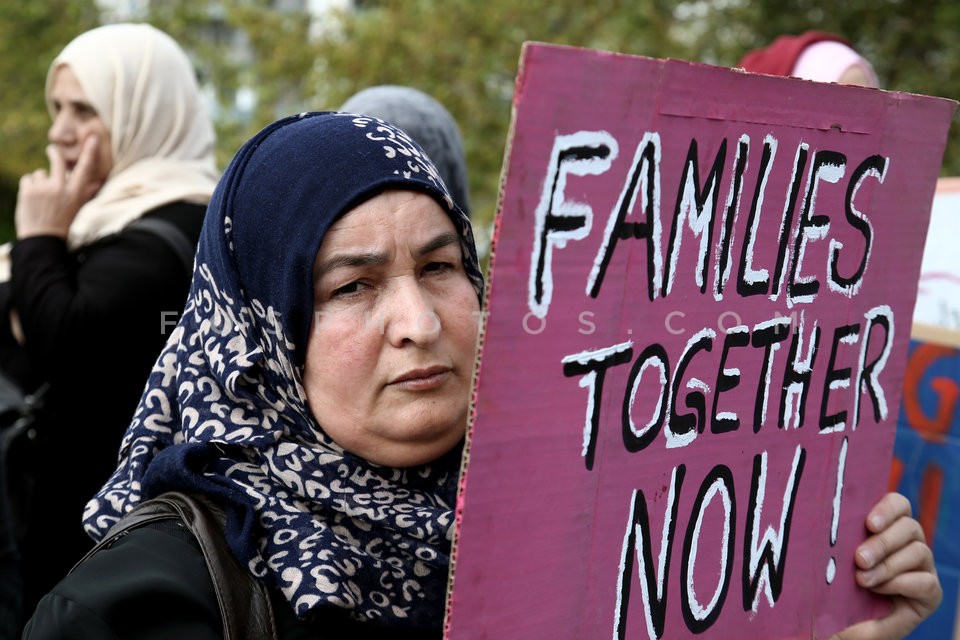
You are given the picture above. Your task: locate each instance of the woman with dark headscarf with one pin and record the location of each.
(316, 385)
(317, 390)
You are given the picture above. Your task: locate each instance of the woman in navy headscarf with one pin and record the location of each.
(316, 386)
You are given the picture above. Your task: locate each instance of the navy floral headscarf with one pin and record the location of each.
(224, 411)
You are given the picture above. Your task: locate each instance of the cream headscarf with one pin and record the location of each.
(144, 88)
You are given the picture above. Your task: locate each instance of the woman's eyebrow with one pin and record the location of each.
(370, 258)
(364, 259)
(439, 242)
(78, 105)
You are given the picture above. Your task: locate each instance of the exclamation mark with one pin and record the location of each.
(835, 523)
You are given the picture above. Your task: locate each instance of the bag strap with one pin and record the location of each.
(170, 233)
(245, 606)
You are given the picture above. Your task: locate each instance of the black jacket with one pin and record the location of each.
(95, 321)
(153, 584)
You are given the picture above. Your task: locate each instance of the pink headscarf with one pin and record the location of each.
(813, 55)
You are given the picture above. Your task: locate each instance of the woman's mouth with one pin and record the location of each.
(422, 379)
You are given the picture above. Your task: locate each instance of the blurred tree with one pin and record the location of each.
(31, 34)
(203, 29)
(465, 53)
(913, 46)
(261, 62)
(254, 57)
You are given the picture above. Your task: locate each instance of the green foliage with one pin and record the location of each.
(31, 35)
(463, 52)
(243, 43)
(913, 46)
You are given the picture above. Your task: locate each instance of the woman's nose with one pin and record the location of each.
(411, 316)
(62, 130)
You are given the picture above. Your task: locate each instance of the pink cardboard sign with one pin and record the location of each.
(699, 314)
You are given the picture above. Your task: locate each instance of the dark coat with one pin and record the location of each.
(152, 583)
(95, 321)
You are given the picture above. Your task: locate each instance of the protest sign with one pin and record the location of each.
(926, 461)
(698, 318)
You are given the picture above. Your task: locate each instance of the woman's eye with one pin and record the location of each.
(438, 267)
(86, 111)
(347, 290)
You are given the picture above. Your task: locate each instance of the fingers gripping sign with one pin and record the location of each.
(895, 561)
(47, 203)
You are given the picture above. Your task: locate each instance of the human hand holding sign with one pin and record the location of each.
(47, 203)
(895, 561)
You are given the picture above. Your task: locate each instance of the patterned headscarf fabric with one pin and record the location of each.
(224, 412)
(426, 121)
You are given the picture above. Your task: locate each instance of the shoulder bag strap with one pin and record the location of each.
(245, 607)
(175, 238)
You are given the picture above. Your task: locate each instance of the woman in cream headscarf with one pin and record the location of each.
(100, 268)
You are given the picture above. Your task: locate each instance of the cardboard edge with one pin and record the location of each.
(525, 55)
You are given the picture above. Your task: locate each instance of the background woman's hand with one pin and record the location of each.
(47, 203)
(895, 561)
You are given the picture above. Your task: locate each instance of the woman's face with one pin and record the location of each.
(391, 351)
(856, 74)
(74, 121)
